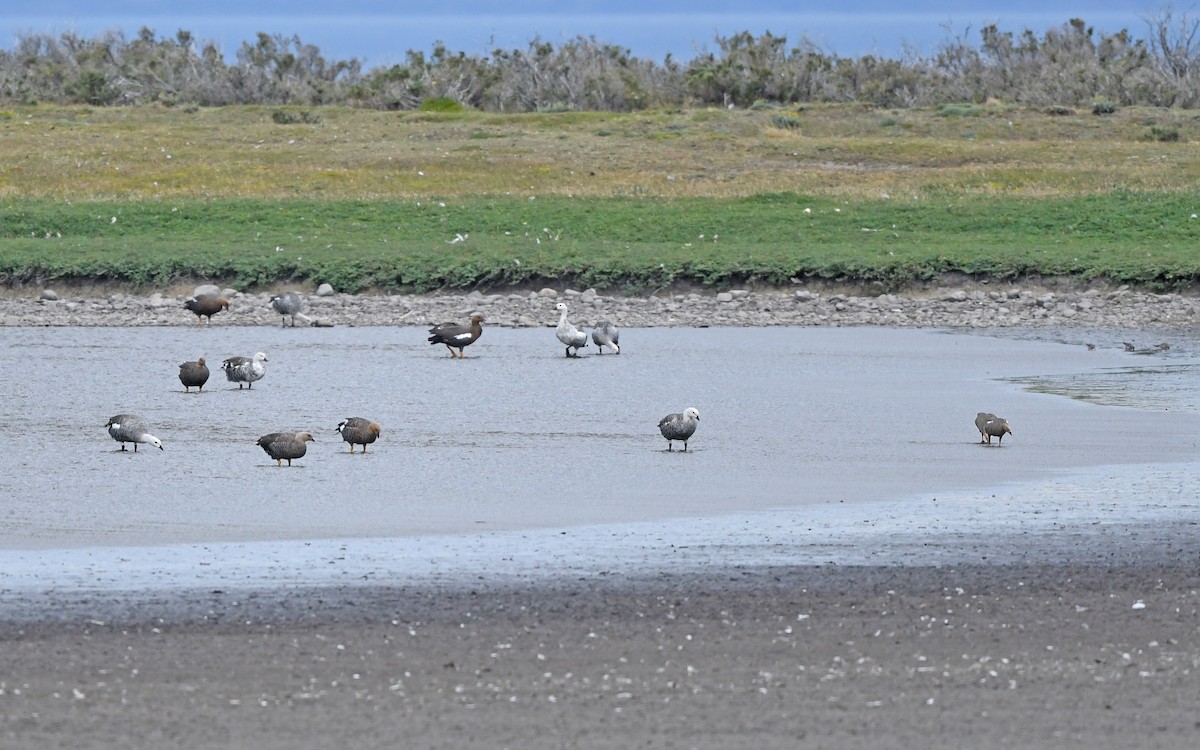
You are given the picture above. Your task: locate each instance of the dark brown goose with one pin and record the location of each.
(457, 335)
(989, 426)
(193, 374)
(283, 446)
(206, 306)
(358, 431)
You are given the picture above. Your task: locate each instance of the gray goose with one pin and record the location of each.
(206, 306)
(457, 335)
(193, 374)
(567, 333)
(283, 446)
(358, 431)
(679, 426)
(289, 304)
(245, 369)
(989, 426)
(606, 334)
(130, 428)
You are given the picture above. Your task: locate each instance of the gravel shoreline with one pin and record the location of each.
(966, 305)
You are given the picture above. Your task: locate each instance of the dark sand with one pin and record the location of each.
(1091, 642)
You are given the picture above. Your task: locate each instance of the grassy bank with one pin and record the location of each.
(418, 202)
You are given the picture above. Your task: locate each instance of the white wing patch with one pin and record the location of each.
(461, 336)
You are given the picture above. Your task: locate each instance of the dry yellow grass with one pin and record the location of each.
(78, 153)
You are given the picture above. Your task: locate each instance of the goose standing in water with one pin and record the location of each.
(358, 431)
(679, 426)
(289, 304)
(457, 335)
(606, 334)
(193, 374)
(989, 426)
(568, 334)
(206, 306)
(245, 370)
(130, 428)
(285, 445)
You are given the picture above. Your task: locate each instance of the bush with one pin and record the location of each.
(440, 104)
(288, 117)
(1104, 108)
(1163, 135)
(785, 122)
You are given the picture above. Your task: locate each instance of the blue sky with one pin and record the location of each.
(379, 32)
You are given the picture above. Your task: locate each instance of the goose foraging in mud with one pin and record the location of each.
(284, 446)
(606, 334)
(679, 426)
(989, 426)
(358, 431)
(568, 334)
(130, 428)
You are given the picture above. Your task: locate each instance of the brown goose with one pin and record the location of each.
(457, 335)
(285, 445)
(989, 426)
(358, 431)
(679, 426)
(193, 374)
(206, 306)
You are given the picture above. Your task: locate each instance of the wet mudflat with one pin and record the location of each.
(518, 562)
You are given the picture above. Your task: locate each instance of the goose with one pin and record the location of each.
(989, 426)
(358, 431)
(245, 370)
(193, 374)
(606, 334)
(206, 306)
(457, 335)
(285, 445)
(679, 426)
(130, 428)
(572, 337)
(289, 304)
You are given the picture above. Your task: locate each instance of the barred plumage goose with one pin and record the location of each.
(245, 369)
(130, 428)
(679, 426)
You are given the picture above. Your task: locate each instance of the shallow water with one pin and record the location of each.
(517, 436)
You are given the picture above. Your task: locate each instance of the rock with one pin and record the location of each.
(325, 290)
(724, 297)
(548, 293)
(49, 295)
(206, 289)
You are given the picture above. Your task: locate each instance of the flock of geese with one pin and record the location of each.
(287, 446)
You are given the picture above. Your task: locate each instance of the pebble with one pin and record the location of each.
(1119, 307)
